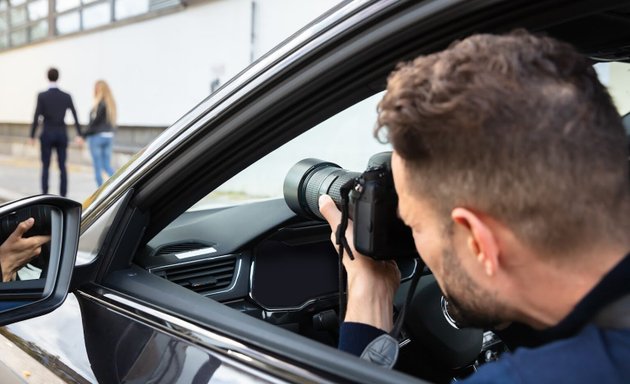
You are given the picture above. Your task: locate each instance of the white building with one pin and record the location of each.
(160, 57)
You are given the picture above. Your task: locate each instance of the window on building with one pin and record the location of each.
(26, 21)
(4, 28)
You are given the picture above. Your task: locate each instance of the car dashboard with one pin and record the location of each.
(258, 257)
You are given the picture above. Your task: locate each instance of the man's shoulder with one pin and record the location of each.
(65, 94)
(592, 355)
(53, 93)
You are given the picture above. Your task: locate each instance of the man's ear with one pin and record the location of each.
(481, 240)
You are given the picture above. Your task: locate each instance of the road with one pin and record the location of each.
(20, 177)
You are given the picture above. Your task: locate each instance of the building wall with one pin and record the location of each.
(616, 77)
(158, 68)
(619, 86)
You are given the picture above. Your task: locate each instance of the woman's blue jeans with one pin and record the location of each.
(101, 150)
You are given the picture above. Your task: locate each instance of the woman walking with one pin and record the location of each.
(100, 132)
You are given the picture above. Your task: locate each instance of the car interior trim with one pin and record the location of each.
(197, 252)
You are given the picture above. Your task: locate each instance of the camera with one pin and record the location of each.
(41, 226)
(372, 202)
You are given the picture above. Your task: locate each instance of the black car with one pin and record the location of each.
(175, 282)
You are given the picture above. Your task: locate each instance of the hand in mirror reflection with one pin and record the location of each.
(16, 251)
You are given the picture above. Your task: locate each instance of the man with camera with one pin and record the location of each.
(511, 169)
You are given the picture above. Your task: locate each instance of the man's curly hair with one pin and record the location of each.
(516, 126)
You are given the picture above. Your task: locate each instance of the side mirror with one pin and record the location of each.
(38, 245)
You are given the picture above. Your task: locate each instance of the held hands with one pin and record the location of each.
(371, 283)
(79, 141)
(16, 250)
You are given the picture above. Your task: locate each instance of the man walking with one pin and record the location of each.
(52, 106)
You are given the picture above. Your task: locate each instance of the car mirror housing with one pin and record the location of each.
(38, 246)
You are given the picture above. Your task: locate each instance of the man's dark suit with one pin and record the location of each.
(52, 105)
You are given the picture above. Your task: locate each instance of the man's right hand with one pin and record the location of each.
(31, 141)
(372, 284)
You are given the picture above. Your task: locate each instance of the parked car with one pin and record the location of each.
(177, 281)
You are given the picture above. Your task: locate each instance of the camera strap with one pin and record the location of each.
(340, 234)
(342, 243)
(403, 311)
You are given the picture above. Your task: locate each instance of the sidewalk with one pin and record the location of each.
(20, 177)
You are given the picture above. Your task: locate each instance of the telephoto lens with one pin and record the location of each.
(307, 180)
(371, 200)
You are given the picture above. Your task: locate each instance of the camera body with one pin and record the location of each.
(378, 231)
(372, 203)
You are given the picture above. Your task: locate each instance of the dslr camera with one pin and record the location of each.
(371, 201)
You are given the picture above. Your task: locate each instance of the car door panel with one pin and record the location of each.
(56, 342)
(136, 349)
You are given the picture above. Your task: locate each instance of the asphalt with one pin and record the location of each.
(20, 177)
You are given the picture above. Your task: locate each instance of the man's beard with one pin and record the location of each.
(468, 304)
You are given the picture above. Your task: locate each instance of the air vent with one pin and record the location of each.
(203, 277)
(179, 248)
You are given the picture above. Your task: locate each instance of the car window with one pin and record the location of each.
(616, 77)
(345, 139)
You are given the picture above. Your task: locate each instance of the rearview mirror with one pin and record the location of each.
(38, 243)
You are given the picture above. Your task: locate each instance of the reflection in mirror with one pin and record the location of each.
(25, 243)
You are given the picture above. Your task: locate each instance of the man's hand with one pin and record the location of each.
(79, 141)
(371, 283)
(31, 141)
(16, 250)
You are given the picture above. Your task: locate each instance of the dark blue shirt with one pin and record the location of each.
(573, 351)
(594, 355)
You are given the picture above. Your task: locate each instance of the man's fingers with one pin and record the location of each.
(23, 227)
(329, 210)
(39, 240)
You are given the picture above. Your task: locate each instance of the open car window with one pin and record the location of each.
(344, 139)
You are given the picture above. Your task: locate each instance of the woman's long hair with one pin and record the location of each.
(103, 93)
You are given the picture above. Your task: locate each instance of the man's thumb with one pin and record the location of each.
(24, 226)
